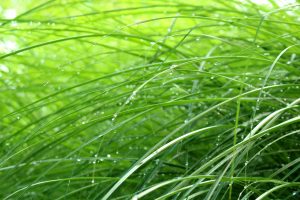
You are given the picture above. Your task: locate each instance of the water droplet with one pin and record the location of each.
(173, 66)
(156, 161)
(14, 24)
(4, 68)
(294, 193)
(114, 117)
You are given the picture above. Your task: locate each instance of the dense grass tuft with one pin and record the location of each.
(132, 99)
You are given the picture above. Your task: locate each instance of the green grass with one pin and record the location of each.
(132, 99)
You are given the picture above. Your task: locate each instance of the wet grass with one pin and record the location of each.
(149, 100)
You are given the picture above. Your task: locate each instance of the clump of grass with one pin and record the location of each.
(149, 100)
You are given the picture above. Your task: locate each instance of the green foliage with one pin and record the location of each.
(130, 99)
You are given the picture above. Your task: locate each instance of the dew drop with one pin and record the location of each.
(173, 66)
(4, 68)
(294, 193)
(114, 117)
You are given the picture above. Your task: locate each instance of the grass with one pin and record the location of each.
(149, 100)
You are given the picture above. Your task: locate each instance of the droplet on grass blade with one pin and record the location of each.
(114, 117)
(4, 68)
(294, 193)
